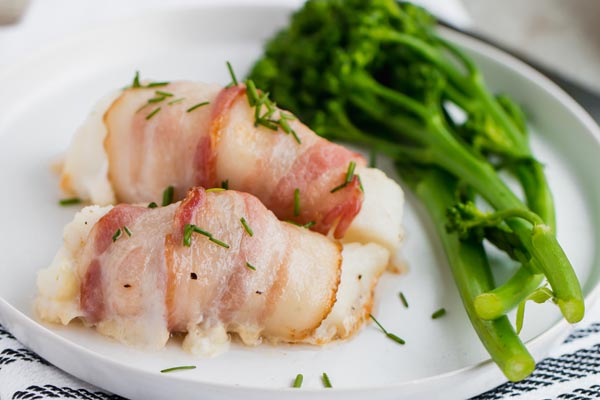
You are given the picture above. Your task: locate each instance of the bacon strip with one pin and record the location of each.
(141, 288)
(220, 142)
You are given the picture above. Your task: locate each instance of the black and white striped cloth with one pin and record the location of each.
(571, 372)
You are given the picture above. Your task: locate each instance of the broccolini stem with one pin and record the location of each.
(546, 250)
(537, 192)
(472, 275)
(496, 303)
(562, 278)
(366, 82)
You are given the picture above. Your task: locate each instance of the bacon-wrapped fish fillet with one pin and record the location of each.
(139, 274)
(139, 141)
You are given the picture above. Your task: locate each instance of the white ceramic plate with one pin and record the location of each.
(45, 99)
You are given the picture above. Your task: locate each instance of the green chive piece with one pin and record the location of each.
(164, 94)
(250, 266)
(283, 122)
(373, 158)
(378, 324)
(225, 184)
(246, 226)
(296, 202)
(335, 189)
(260, 101)
(350, 172)
(127, 231)
(233, 78)
(70, 201)
(187, 233)
(360, 185)
(179, 100)
(136, 80)
(308, 225)
(395, 338)
(326, 381)
(168, 196)
(183, 367)
(117, 235)
(214, 190)
(251, 93)
(439, 313)
(403, 299)
(389, 335)
(201, 231)
(152, 205)
(156, 99)
(298, 381)
(192, 108)
(157, 84)
(348, 178)
(153, 113)
(220, 243)
(295, 135)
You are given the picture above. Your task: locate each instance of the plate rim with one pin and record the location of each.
(507, 61)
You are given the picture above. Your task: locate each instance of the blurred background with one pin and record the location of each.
(560, 37)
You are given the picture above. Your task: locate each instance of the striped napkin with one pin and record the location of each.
(571, 372)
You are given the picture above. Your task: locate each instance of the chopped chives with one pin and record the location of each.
(217, 241)
(200, 231)
(266, 119)
(250, 266)
(389, 335)
(295, 135)
(137, 84)
(156, 99)
(152, 205)
(183, 367)
(309, 224)
(153, 113)
(192, 108)
(225, 184)
(164, 94)
(168, 194)
(439, 313)
(348, 178)
(70, 201)
(360, 185)
(233, 77)
(179, 100)
(157, 84)
(326, 381)
(214, 190)
(403, 299)
(395, 338)
(339, 187)
(187, 234)
(350, 172)
(117, 235)
(136, 80)
(251, 93)
(298, 381)
(283, 122)
(373, 158)
(246, 226)
(296, 202)
(127, 231)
